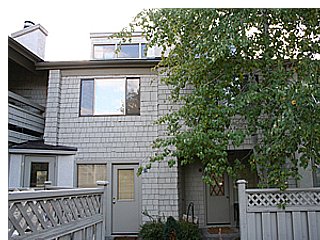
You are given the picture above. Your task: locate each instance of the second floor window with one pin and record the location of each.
(108, 51)
(114, 96)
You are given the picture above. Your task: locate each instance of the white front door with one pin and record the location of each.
(218, 201)
(126, 212)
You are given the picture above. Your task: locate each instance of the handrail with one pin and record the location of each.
(27, 195)
(50, 214)
(25, 101)
(271, 190)
(18, 108)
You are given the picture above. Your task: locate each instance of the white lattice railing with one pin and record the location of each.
(273, 214)
(51, 214)
(273, 199)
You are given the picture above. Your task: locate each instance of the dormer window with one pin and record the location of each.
(127, 50)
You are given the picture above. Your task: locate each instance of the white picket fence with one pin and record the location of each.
(261, 215)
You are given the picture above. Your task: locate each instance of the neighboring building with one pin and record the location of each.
(99, 125)
(32, 162)
(27, 92)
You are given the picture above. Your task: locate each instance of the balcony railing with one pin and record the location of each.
(58, 214)
(26, 119)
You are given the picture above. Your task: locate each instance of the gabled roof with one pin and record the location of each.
(22, 50)
(21, 55)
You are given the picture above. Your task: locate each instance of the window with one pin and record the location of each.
(115, 96)
(38, 169)
(89, 174)
(39, 174)
(108, 51)
(129, 51)
(104, 51)
(125, 184)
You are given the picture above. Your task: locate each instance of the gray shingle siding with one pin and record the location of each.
(109, 139)
(30, 86)
(125, 139)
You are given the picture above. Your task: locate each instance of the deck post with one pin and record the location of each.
(47, 184)
(242, 208)
(103, 184)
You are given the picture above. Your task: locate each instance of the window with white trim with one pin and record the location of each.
(110, 96)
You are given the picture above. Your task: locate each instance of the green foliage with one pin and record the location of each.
(250, 72)
(189, 231)
(172, 229)
(151, 231)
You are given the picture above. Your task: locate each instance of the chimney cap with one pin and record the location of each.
(28, 24)
(28, 30)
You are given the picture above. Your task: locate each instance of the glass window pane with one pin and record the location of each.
(39, 174)
(98, 52)
(104, 51)
(86, 97)
(125, 184)
(129, 51)
(88, 174)
(109, 97)
(133, 97)
(143, 50)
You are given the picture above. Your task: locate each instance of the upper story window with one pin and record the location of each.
(112, 96)
(108, 51)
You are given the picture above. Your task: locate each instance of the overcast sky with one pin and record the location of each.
(70, 22)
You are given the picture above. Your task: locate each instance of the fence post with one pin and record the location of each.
(46, 185)
(104, 184)
(242, 209)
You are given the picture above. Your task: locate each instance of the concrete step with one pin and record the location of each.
(221, 233)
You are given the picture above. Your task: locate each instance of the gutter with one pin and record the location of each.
(94, 64)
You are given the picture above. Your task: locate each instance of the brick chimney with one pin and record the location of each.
(32, 37)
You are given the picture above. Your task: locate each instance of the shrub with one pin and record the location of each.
(151, 231)
(171, 229)
(178, 230)
(188, 231)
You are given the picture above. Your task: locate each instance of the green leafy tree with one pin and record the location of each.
(252, 72)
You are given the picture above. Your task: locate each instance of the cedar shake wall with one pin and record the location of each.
(120, 139)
